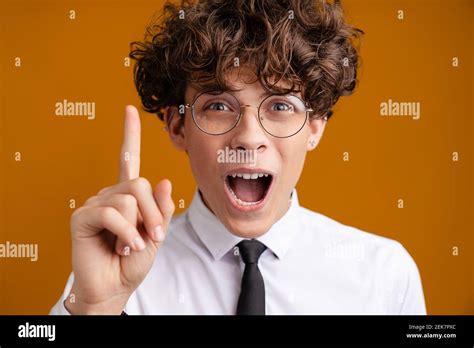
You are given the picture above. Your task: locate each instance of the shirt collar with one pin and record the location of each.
(219, 240)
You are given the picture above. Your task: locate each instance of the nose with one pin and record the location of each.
(248, 134)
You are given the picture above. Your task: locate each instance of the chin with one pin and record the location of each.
(247, 229)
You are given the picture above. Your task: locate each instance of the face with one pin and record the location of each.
(248, 194)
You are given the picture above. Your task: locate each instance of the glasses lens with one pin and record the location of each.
(216, 112)
(282, 115)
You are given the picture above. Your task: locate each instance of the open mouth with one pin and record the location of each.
(249, 189)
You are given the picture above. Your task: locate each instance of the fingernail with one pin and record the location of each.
(139, 243)
(159, 234)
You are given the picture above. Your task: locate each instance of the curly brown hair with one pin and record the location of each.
(305, 43)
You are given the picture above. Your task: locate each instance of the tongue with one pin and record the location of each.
(247, 190)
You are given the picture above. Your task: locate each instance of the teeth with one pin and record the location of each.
(249, 176)
(246, 176)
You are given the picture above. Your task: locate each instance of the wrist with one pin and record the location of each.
(76, 305)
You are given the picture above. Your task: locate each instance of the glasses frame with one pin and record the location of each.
(239, 117)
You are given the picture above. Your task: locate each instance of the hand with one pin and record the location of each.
(116, 234)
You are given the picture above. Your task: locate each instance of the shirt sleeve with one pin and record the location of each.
(401, 283)
(59, 308)
(413, 301)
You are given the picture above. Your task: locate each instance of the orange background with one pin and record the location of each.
(391, 158)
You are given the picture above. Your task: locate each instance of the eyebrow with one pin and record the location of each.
(264, 94)
(260, 97)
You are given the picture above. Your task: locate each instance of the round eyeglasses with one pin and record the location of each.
(218, 112)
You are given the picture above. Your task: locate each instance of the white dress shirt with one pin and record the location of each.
(312, 265)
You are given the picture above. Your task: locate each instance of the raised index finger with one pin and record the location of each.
(130, 152)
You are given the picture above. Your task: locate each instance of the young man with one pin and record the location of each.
(255, 78)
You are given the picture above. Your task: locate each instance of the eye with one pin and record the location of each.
(218, 107)
(281, 106)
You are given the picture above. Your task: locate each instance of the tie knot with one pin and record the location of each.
(250, 250)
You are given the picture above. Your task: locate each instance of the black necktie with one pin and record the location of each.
(252, 293)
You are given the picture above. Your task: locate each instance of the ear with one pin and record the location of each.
(316, 129)
(175, 126)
